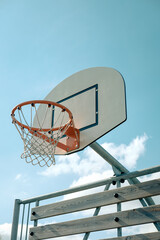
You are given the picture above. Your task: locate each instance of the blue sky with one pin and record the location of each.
(42, 43)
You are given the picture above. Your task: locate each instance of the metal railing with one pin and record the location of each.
(25, 205)
(21, 215)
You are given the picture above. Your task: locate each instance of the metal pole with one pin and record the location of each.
(36, 221)
(119, 230)
(22, 221)
(113, 162)
(117, 173)
(96, 212)
(127, 176)
(15, 219)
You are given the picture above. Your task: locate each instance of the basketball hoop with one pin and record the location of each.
(54, 128)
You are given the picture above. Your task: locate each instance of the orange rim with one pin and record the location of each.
(40, 102)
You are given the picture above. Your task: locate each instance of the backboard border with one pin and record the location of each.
(96, 105)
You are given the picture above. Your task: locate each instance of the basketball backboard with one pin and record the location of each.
(96, 98)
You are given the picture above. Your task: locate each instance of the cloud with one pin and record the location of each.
(146, 228)
(90, 162)
(75, 237)
(18, 176)
(5, 231)
(64, 165)
(128, 154)
(88, 179)
(23, 178)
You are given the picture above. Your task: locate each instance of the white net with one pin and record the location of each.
(40, 144)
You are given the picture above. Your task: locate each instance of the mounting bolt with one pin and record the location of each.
(122, 180)
(114, 182)
(116, 195)
(33, 213)
(116, 219)
(31, 233)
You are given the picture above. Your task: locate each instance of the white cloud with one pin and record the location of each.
(88, 179)
(18, 176)
(64, 165)
(128, 154)
(22, 178)
(75, 237)
(5, 230)
(90, 162)
(146, 228)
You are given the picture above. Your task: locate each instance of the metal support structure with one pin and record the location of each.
(27, 221)
(36, 221)
(114, 163)
(92, 185)
(104, 182)
(22, 221)
(118, 173)
(15, 221)
(96, 212)
(119, 230)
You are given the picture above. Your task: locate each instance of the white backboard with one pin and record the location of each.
(96, 98)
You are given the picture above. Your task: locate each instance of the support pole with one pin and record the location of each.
(96, 212)
(14, 231)
(118, 173)
(114, 163)
(119, 230)
(36, 221)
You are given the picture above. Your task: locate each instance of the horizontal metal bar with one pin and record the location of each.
(125, 194)
(93, 185)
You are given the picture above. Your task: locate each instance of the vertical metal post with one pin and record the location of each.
(118, 173)
(119, 230)
(27, 221)
(36, 221)
(22, 221)
(14, 231)
(96, 212)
